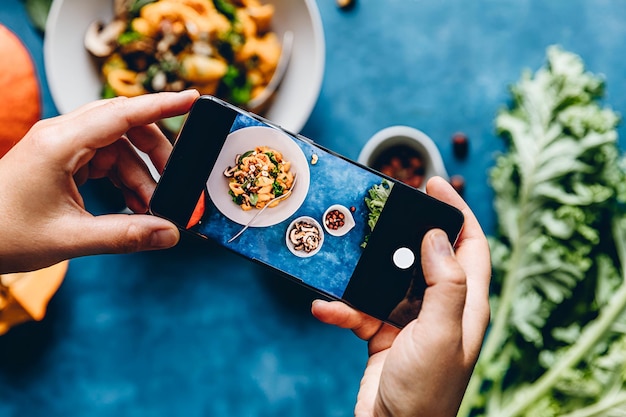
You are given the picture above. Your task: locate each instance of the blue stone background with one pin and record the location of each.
(196, 330)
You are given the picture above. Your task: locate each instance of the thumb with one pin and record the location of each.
(444, 299)
(124, 233)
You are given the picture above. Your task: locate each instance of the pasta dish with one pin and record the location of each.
(223, 48)
(259, 176)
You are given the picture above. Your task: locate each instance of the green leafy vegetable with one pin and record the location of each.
(254, 198)
(235, 85)
(237, 199)
(277, 189)
(38, 12)
(226, 8)
(107, 91)
(129, 37)
(375, 201)
(173, 124)
(136, 6)
(557, 341)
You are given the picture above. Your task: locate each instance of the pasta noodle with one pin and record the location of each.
(257, 177)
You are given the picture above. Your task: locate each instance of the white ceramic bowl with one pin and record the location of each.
(74, 80)
(408, 136)
(290, 245)
(348, 220)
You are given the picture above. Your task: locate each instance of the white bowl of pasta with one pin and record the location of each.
(238, 144)
(75, 76)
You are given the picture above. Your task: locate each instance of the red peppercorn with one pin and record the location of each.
(458, 183)
(460, 145)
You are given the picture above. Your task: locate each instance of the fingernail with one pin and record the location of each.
(441, 244)
(189, 92)
(164, 238)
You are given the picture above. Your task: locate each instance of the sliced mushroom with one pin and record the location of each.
(100, 39)
(307, 228)
(311, 241)
(305, 237)
(230, 171)
(293, 236)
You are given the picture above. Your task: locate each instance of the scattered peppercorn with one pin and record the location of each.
(352, 209)
(460, 145)
(345, 4)
(458, 183)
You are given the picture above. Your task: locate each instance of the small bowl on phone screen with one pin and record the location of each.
(304, 237)
(338, 220)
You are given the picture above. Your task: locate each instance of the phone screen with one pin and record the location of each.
(335, 226)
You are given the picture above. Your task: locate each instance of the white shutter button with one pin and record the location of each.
(403, 258)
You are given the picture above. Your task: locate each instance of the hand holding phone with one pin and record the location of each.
(433, 357)
(344, 230)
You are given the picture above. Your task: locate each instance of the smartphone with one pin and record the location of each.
(335, 226)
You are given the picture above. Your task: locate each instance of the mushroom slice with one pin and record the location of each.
(100, 39)
(230, 171)
(295, 236)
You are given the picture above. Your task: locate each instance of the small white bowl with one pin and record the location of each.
(291, 246)
(408, 136)
(348, 220)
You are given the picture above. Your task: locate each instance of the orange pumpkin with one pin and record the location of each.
(20, 106)
(25, 296)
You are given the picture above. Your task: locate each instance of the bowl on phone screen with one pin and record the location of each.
(338, 220)
(74, 78)
(242, 141)
(304, 237)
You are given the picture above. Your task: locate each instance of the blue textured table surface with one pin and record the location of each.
(195, 330)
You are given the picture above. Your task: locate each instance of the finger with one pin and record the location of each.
(368, 391)
(344, 316)
(444, 299)
(103, 123)
(118, 233)
(472, 253)
(127, 171)
(379, 335)
(151, 140)
(471, 241)
(133, 174)
(440, 189)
